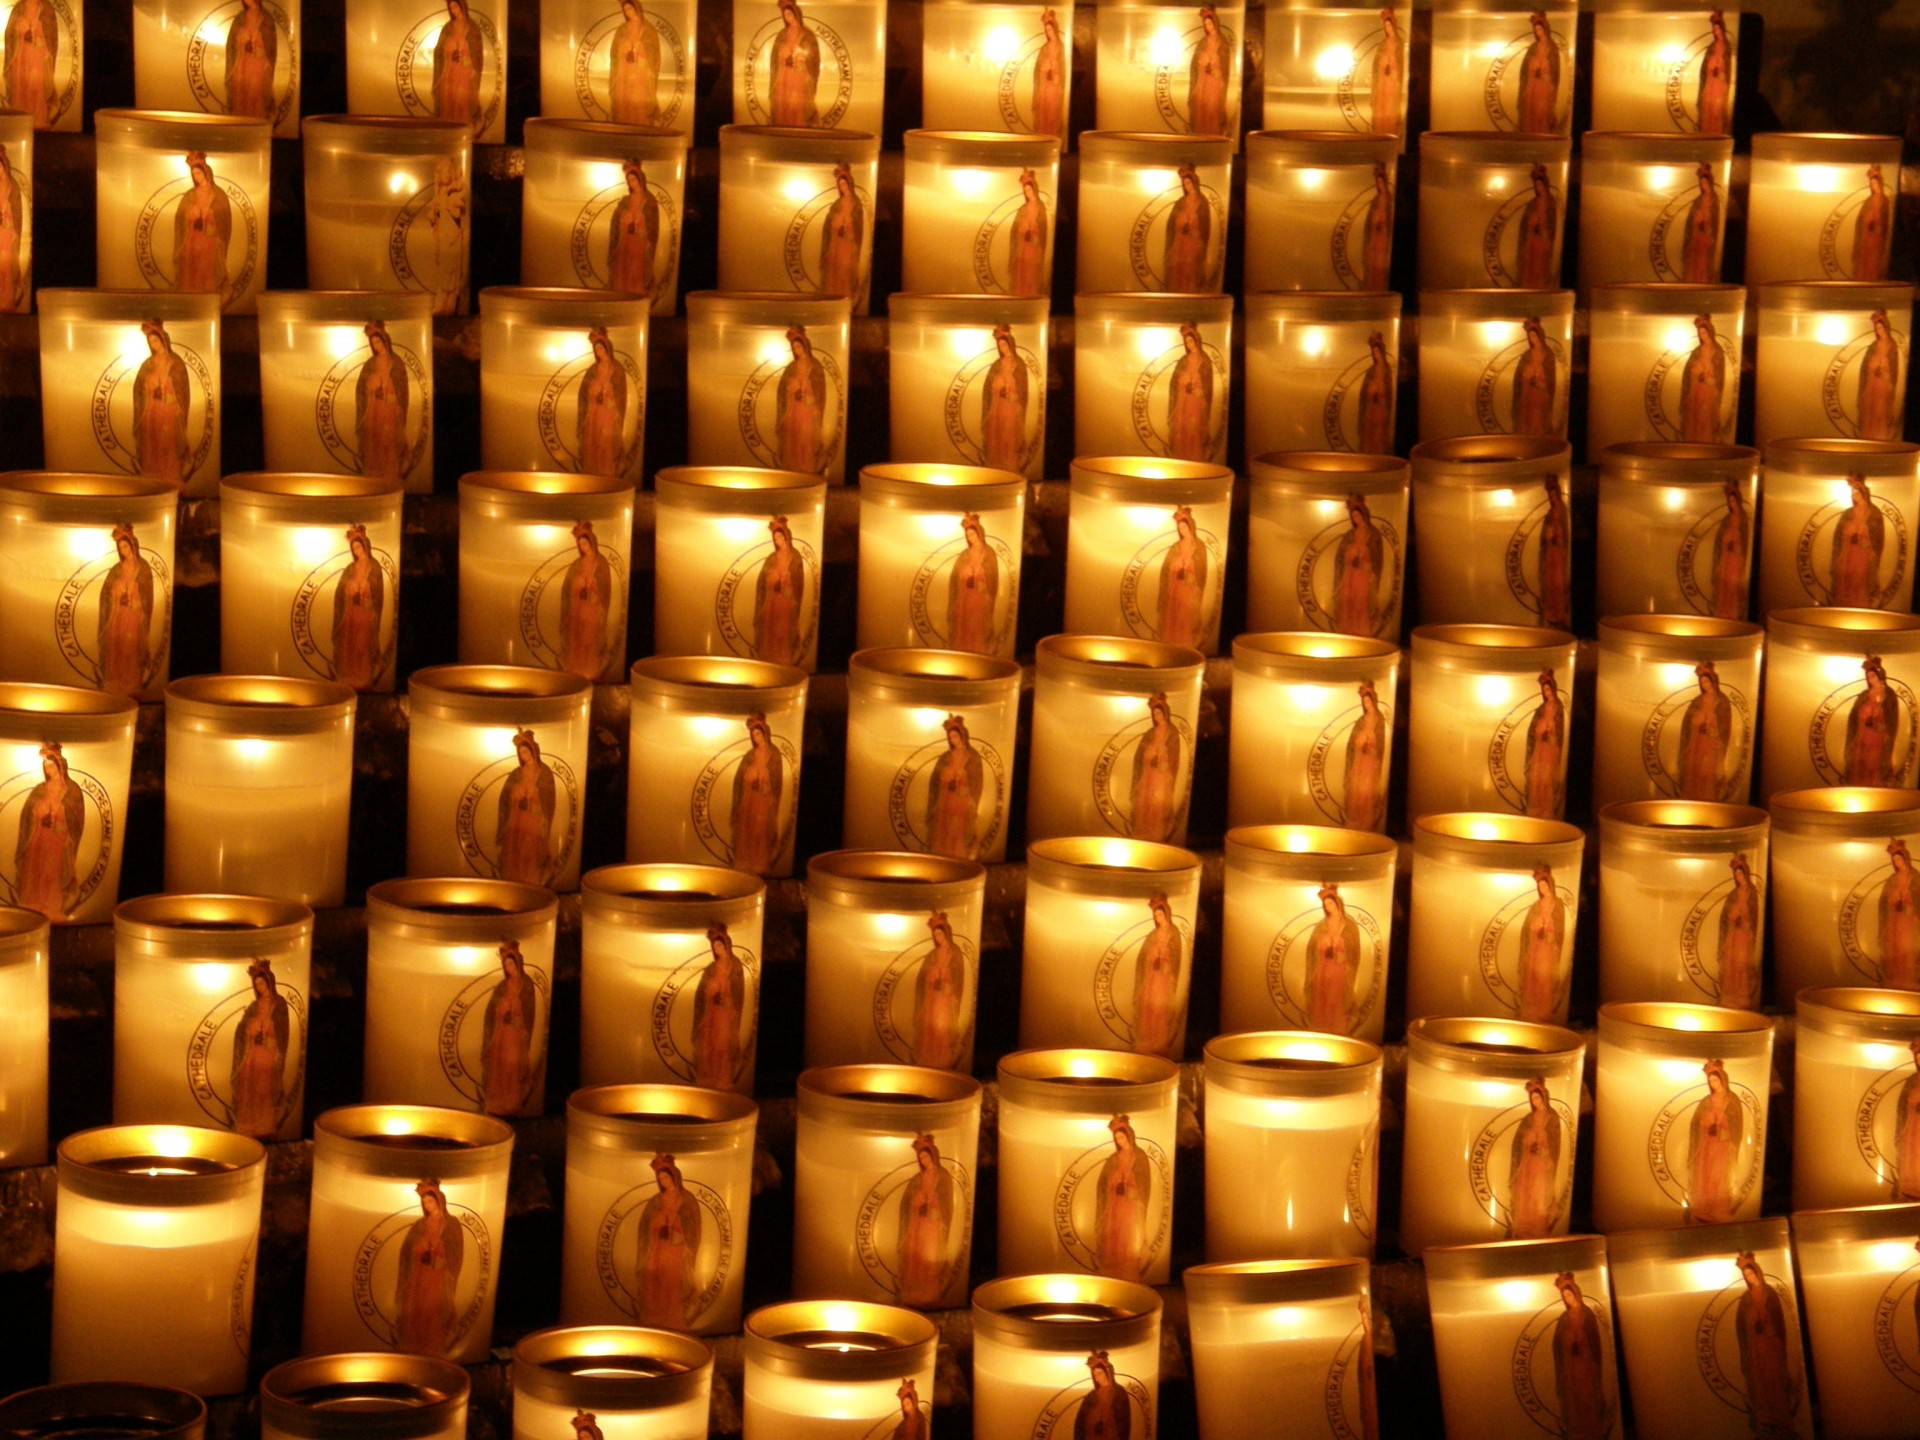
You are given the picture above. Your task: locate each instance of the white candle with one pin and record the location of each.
(1491, 715)
(1338, 69)
(211, 999)
(1153, 376)
(496, 773)
(599, 63)
(1492, 1120)
(1495, 362)
(967, 377)
(1052, 1348)
(336, 1397)
(940, 552)
(1856, 1129)
(767, 378)
(1663, 68)
(563, 381)
(1653, 207)
(1858, 1269)
(1109, 936)
(16, 212)
(1153, 213)
(978, 212)
(1674, 708)
(1839, 699)
(24, 1020)
(1820, 207)
(659, 1178)
(1832, 360)
(1326, 542)
(1147, 549)
(629, 1383)
(1838, 513)
(1676, 529)
(1680, 1114)
(1663, 365)
(408, 1210)
(996, 67)
(459, 994)
(670, 961)
(1493, 209)
(834, 1369)
(796, 209)
(447, 63)
(1320, 372)
(1086, 1163)
(223, 59)
(1169, 66)
(1319, 209)
(44, 64)
(823, 67)
(1840, 862)
(1503, 68)
(602, 205)
(1312, 742)
(1494, 524)
(67, 754)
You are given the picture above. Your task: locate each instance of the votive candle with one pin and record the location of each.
(241, 60)
(1153, 376)
(1674, 708)
(1857, 1273)
(1839, 700)
(1832, 360)
(833, 1369)
(602, 205)
(1838, 517)
(364, 1393)
(1341, 67)
(940, 553)
(67, 753)
(1856, 1132)
(629, 1382)
(1663, 66)
(629, 68)
(767, 378)
(1319, 207)
(563, 380)
(25, 1016)
(1495, 362)
(797, 205)
(1312, 738)
(1152, 212)
(978, 212)
(1147, 549)
(1169, 66)
(1821, 207)
(1326, 542)
(1676, 529)
(447, 64)
(1490, 728)
(1493, 522)
(1842, 887)
(967, 380)
(1493, 208)
(1663, 365)
(1503, 67)
(1653, 207)
(1320, 371)
(1051, 1347)
(996, 66)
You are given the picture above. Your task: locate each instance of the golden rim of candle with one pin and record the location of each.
(238, 706)
(1335, 473)
(1322, 147)
(1110, 865)
(71, 485)
(1489, 461)
(727, 487)
(160, 1166)
(772, 308)
(560, 305)
(499, 695)
(1671, 147)
(1858, 1012)
(290, 488)
(1501, 648)
(981, 147)
(893, 879)
(716, 684)
(1513, 306)
(1685, 639)
(1495, 147)
(1478, 829)
(178, 129)
(611, 1367)
(1144, 307)
(1826, 147)
(954, 678)
(1679, 302)
(413, 1141)
(460, 910)
(1091, 1082)
(23, 935)
(1066, 1312)
(1669, 462)
(1895, 1221)
(67, 707)
(1311, 853)
(1134, 480)
(197, 926)
(1829, 622)
(941, 487)
(1539, 1259)
(910, 1098)
(1684, 827)
(1794, 296)
(601, 139)
(547, 491)
(645, 1115)
(1473, 1045)
(971, 311)
(131, 307)
(105, 1407)
(1831, 456)
(671, 896)
(1765, 1237)
(1313, 655)
(1155, 147)
(846, 1341)
(1120, 665)
(1276, 1282)
(1378, 307)
(1675, 1028)
(1291, 1063)
(376, 1394)
(1865, 812)
(389, 125)
(346, 307)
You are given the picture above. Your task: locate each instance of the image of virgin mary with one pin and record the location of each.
(47, 847)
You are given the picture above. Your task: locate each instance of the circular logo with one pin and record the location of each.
(1295, 958)
(565, 397)
(593, 65)
(1502, 241)
(1527, 558)
(1513, 769)
(1153, 611)
(664, 1263)
(1119, 1395)
(914, 1228)
(933, 620)
(1712, 1184)
(1877, 1130)
(813, 453)
(1363, 1182)
(912, 1032)
(1537, 1362)
(1836, 258)
(1166, 419)
(336, 410)
(493, 842)
(1316, 579)
(1351, 805)
(166, 266)
(1493, 392)
(418, 72)
(1345, 421)
(1174, 85)
(1896, 1327)
(1519, 968)
(1346, 88)
(1668, 237)
(250, 1084)
(801, 251)
(319, 647)
(914, 810)
(1813, 555)
(215, 29)
(1704, 917)
(421, 1280)
(712, 802)
(1697, 559)
(544, 613)
(1682, 86)
(1524, 1182)
(59, 883)
(78, 612)
(737, 603)
(993, 244)
(590, 242)
(427, 243)
(674, 1019)
(1666, 395)
(980, 424)
(1504, 81)
(1681, 760)
(1351, 1370)
(1829, 744)
(1086, 1217)
(1121, 782)
(1149, 245)
(1841, 386)
(831, 91)
(115, 401)
(50, 30)
(1122, 1014)
(1860, 913)
(1720, 1346)
(495, 1058)
(1014, 98)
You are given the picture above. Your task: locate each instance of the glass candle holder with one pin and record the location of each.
(24, 1021)
(1147, 549)
(659, 1178)
(67, 758)
(181, 203)
(1491, 1124)
(604, 65)
(1143, 697)
(1682, 902)
(1500, 68)
(1653, 207)
(637, 1384)
(1495, 362)
(212, 995)
(833, 1369)
(1313, 738)
(459, 994)
(968, 381)
(722, 786)
(157, 1411)
(1047, 1348)
(1838, 516)
(131, 384)
(310, 577)
(1109, 940)
(259, 771)
(1855, 1054)
(883, 1179)
(681, 946)
(1496, 1307)
(797, 205)
(1320, 372)
(930, 748)
(496, 772)
(1319, 209)
(940, 550)
(1490, 726)
(1675, 708)
(1005, 67)
(1841, 859)
(1710, 1328)
(1839, 700)
(1326, 542)
(1820, 207)
(1495, 903)
(370, 1394)
(1308, 926)
(1493, 522)
(1338, 68)
(346, 384)
(1680, 1115)
(893, 959)
(563, 380)
(403, 1240)
(1663, 67)
(1857, 1268)
(767, 382)
(1281, 1337)
(242, 61)
(16, 212)
(544, 571)
(839, 48)
(1153, 376)
(999, 192)
(450, 67)
(1086, 1162)
(1663, 367)
(44, 82)
(389, 205)
(1169, 67)
(1153, 212)
(1676, 529)
(1832, 360)
(601, 205)
(1493, 207)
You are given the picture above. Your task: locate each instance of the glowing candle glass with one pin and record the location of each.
(154, 1411)
(978, 212)
(68, 753)
(1338, 69)
(1169, 67)
(1047, 1348)
(821, 71)
(659, 1178)
(1663, 366)
(1838, 515)
(447, 64)
(1660, 65)
(181, 203)
(601, 205)
(47, 51)
(459, 994)
(1320, 372)
(1839, 699)
(1305, 705)
(1675, 707)
(967, 376)
(1680, 1114)
(940, 550)
(389, 205)
(1319, 209)
(24, 1021)
(1495, 362)
(767, 378)
(1153, 212)
(16, 212)
(1326, 542)
(1153, 376)
(1855, 1138)
(1490, 726)
(409, 1206)
(1086, 1163)
(1109, 945)
(797, 207)
(834, 1369)
(1676, 529)
(1857, 1269)
(1493, 209)
(1147, 549)
(1114, 724)
(1840, 881)
(241, 60)
(1831, 360)
(598, 63)
(496, 773)
(1503, 68)
(563, 380)
(369, 1394)
(631, 1383)
(1820, 207)
(131, 384)
(987, 66)
(168, 1215)
(1653, 207)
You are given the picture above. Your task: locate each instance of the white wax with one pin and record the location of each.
(948, 367)
(1494, 1341)
(1148, 73)
(392, 50)
(1253, 1363)
(979, 68)
(1467, 373)
(638, 992)
(1316, 1159)
(788, 1407)
(733, 387)
(1633, 224)
(944, 201)
(1647, 71)
(577, 39)
(350, 242)
(1808, 703)
(1647, 531)
(1472, 224)
(1286, 534)
(863, 970)
(24, 1014)
(1636, 372)
(892, 750)
(1026, 1392)
(1853, 1292)
(316, 370)
(446, 759)
(78, 360)
(1320, 67)
(1478, 60)
(1645, 1175)
(1640, 745)
(1266, 939)
(1469, 743)
(286, 841)
(513, 591)
(1808, 381)
(1803, 220)
(773, 217)
(1085, 744)
(1117, 554)
(706, 574)
(1123, 241)
(566, 226)
(142, 195)
(1124, 392)
(534, 410)
(1307, 228)
(1827, 894)
(1305, 384)
(265, 574)
(1848, 1136)
(906, 572)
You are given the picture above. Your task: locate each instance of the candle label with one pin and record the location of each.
(149, 401)
(1179, 400)
(664, 1250)
(1697, 743)
(374, 405)
(1520, 1166)
(1199, 93)
(1698, 89)
(989, 409)
(1527, 756)
(427, 241)
(492, 1039)
(1746, 1347)
(1864, 388)
(1171, 588)
(1879, 928)
(1538, 561)
(976, 578)
(627, 237)
(1038, 107)
(1856, 236)
(1380, 56)
(924, 1001)
(1692, 394)
(254, 62)
(1703, 1146)
(1110, 1211)
(1140, 982)
(356, 592)
(1886, 1128)
(631, 69)
(1842, 556)
(1177, 241)
(113, 617)
(591, 411)
(573, 608)
(792, 410)
(1368, 218)
(1013, 244)
(1361, 737)
(767, 603)
(825, 249)
(450, 67)
(1896, 1326)
(1520, 246)
(1341, 574)
(1363, 1181)
(1522, 85)
(1562, 1363)
(1520, 390)
(794, 70)
(914, 1228)
(16, 231)
(1106, 1403)
(1863, 733)
(1143, 775)
(1348, 1396)
(63, 830)
(42, 50)
(1326, 967)
(247, 1056)
(743, 799)
(949, 797)
(517, 819)
(1683, 246)
(422, 1275)
(706, 1012)
(1731, 912)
